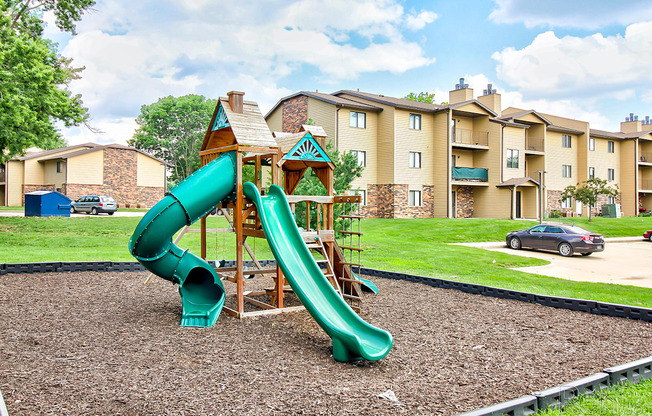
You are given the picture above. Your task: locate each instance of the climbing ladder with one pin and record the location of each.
(318, 245)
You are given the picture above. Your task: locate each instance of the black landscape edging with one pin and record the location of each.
(559, 396)
(582, 305)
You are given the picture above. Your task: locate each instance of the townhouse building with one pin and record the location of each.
(470, 158)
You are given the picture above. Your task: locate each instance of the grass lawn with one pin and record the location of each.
(416, 246)
(620, 400)
(3, 208)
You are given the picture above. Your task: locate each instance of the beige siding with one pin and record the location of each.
(410, 140)
(354, 138)
(629, 177)
(556, 156)
(492, 202)
(514, 138)
(275, 120)
(87, 168)
(324, 114)
(33, 172)
(50, 174)
(15, 180)
(602, 160)
(150, 172)
(441, 166)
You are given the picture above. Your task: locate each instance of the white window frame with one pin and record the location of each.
(414, 198)
(566, 171)
(59, 164)
(611, 146)
(591, 172)
(567, 203)
(360, 119)
(512, 155)
(566, 141)
(361, 155)
(611, 200)
(415, 160)
(591, 144)
(415, 121)
(362, 193)
(611, 174)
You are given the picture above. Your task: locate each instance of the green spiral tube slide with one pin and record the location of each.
(353, 338)
(201, 290)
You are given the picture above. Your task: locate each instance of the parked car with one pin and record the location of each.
(94, 204)
(648, 235)
(564, 239)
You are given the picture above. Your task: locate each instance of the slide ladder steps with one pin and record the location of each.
(318, 246)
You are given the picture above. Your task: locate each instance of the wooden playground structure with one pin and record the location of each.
(238, 126)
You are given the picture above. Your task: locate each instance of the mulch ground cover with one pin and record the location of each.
(106, 344)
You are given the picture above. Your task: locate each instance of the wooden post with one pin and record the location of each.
(203, 236)
(307, 215)
(280, 283)
(238, 225)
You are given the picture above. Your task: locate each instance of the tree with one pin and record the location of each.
(172, 129)
(422, 97)
(346, 170)
(34, 78)
(589, 192)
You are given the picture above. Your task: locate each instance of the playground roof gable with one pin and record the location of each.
(228, 127)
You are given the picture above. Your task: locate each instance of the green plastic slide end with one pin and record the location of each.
(200, 287)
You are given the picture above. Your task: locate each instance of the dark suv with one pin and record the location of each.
(94, 204)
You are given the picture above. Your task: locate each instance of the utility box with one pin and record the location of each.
(611, 211)
(46, 204)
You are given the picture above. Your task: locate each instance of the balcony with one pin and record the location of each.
(471, 138)
(645, 185)
(470, 176)
(645, 158)
(534, 145)
(2, 175)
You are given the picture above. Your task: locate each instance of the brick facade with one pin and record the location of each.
(32, 188)
(464, 202)
(120, 182)
(295, 113)
(391, 201)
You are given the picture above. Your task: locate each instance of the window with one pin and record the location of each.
(362, 193)
(415, 160)
(591, 144)
(362, 157)
(565, 140)
(58, 167)
(554, 229)
(611, 174)
(415, 121)
(610, 146)
(358, 120)
(611, 200)
(538, 229)
(566, 203)
(414, 198)
(566, 171)
(512, 158)
(591, 172)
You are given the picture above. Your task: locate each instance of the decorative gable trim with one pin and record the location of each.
(307, 149)
(221, 121)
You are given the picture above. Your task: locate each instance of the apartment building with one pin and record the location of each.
(129, 175)
(470, 158)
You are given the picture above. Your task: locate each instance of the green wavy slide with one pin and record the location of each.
(200, 287)
(353, 338)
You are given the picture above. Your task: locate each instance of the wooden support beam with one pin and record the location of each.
(203, 236)
(240, 238)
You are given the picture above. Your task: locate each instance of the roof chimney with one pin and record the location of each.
(631, 124)
(491, 99)
(461, 93)
(236, 101)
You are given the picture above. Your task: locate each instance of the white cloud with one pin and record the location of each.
(594, 65)
(137, 52)
(586, 14)
(418, 21)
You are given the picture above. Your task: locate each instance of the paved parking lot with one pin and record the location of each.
(625, 263)
(117, 214)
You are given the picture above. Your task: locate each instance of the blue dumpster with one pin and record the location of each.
(46, 204)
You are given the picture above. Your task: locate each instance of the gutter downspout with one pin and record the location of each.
(337, 126)
(449, 187)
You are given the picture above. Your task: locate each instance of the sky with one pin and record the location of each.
(582, 59)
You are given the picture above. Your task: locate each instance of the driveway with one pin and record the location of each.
(623, 263)
(12, 213)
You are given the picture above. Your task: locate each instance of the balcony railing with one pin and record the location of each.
(465, 136)
(534, 143)
(470, 174)
(645, 157)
